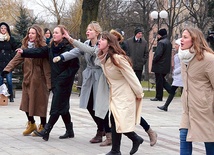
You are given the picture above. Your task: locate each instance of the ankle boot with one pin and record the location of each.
(11, 98)
(39, 129)
(114, 153)
(69, 131)
(136, 140)
(98, 138)
(45, 132)
(108, 140)
(30, 128)
(152, 136)
(168, 101)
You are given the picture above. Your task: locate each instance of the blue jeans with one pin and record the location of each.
(9, 82)
(186, 147)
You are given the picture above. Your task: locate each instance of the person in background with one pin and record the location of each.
(62, 79)
(161, 64)
(137, 50)
(94, 94)
(152, 134)
(36, 80)
(48, 35)
(197, 61)
(177, 79)
(126, 92)
(7, 52)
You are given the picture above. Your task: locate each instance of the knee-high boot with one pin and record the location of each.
(69, 131)
(136, 140)
(45, 132)
(168, 101)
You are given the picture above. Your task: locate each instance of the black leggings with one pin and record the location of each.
(31, 119)
(99, 122)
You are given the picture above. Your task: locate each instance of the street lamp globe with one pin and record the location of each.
(154, 14)
(163, 14)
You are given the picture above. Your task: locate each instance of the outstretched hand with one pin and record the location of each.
(56, 59)
(19, 50)
(65, 34)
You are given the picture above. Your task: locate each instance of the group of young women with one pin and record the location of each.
(109, 86)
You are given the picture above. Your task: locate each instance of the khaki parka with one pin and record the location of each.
(124, 89)
(198, 99)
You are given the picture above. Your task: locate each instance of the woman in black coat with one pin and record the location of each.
(7, 48)
(62, 78)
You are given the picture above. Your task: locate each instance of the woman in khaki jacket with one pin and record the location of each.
(36, 80)
(126, 92)
(197, 123)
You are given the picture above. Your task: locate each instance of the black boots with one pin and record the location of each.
(136, 141)
(45, 132)
(113, 153)
(168, 101)
(11, 98)
(69, 131)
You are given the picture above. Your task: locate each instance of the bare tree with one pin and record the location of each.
(56, 8)
(201, 13)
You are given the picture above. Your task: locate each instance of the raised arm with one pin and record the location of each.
(41, 52)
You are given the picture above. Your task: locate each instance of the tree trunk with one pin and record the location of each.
(89, 13)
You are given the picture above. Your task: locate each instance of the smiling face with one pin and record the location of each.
(3, 29)
(32, 35)
(186, 41)
(57, 35)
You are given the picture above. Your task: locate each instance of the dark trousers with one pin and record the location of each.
(138, 74)
(99, 122)
(160, 84)
(144, 124)
(106, 123)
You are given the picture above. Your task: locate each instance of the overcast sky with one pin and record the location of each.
(38, 10)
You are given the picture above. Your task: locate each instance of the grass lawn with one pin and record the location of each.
(148, 92)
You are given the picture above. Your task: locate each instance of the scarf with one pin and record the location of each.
(185, 55)
(3, 37)
(30, 44)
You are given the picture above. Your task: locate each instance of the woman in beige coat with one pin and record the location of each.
(126, 92)
(197, 124)
(36, 80)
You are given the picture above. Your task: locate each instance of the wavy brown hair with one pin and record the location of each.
(114, 48)
(40, 39)
(199, 43)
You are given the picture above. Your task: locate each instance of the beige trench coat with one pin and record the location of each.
(36, 84)
(124, 88)
(198, 99)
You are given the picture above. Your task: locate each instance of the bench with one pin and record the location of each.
(152, 81)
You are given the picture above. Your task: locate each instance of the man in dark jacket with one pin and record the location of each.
(161, 64)
(137, 50)
(7, 52)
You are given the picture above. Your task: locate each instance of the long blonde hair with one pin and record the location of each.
(199, 43)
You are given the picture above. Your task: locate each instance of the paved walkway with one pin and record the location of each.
(13, 121)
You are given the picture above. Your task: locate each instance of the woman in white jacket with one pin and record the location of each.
(177, 79)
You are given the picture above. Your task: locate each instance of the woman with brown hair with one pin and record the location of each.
(62, 78)
(126, 92)
(36, 79)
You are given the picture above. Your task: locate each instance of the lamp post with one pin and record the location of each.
(157, 15)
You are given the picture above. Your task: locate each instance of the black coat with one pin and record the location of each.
(62, 74)
(7, 52)
(162, 57)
